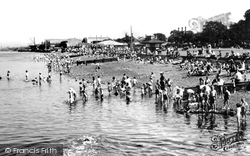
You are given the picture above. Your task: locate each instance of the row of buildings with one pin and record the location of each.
(50, 44)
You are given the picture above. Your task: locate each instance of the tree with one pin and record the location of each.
(126, 39)
(188, 37)
(176, 36)
(214, 32)
(85, 40)
(160, 36)
(247, 15)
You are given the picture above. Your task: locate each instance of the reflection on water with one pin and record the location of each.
(36, 114)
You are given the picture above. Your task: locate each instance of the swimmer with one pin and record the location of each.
(8, 75)
(35, 81)
(26, 75)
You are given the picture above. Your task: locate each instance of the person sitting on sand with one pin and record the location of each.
(201, 81)
(97, 67)
(207, 81)
(238, 77)
(152, 75)
(243, 66)
(219, 55)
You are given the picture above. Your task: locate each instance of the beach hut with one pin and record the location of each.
(153, 44)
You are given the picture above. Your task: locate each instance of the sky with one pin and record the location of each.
(21, 20)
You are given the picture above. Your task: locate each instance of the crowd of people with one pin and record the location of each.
(205, 95)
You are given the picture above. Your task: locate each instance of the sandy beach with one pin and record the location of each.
(142, 73)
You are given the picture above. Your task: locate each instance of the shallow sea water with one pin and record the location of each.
(33, 115)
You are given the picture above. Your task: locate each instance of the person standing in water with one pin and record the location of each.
(8, 75)
(26, 75)
(72, 95)
(40, 78)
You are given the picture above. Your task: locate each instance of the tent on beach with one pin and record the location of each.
(111, 42)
